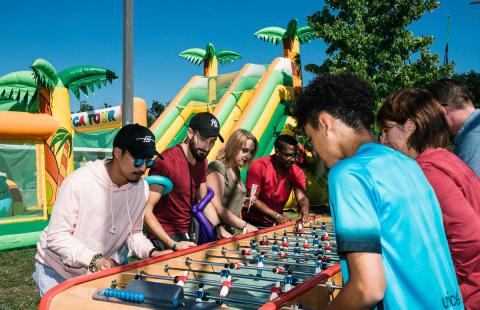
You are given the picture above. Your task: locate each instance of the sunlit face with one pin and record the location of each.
(201, 146)
(127, 167)
(319, 143)
(286, 154)
(395, 136)
(245, 153)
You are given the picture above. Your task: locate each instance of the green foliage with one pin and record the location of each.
(471, 81)
(371, 40)
(85, 107)
(155, 110)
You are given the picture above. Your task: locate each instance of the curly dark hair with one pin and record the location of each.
(344, 96)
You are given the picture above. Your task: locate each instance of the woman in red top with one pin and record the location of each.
(413, 123)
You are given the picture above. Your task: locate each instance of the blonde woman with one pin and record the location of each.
(223, 177)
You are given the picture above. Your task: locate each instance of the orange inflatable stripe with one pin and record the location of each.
(18, 126)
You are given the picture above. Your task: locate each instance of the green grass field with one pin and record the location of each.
(17, 289)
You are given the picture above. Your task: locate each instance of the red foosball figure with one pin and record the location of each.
(264, 241)
(278, 269)
(325, 237)
(226, 285)
(306, 245)
(328, 247)
(181, 280)
(275, 291)
(299, 227)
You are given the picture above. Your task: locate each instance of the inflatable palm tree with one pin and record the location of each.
(291, 38)
(210, 58)
(43, 90)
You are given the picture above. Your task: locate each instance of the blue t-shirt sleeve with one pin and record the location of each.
(352, 200)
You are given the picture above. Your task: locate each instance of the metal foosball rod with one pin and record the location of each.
(243, 266)
(144, 275)
(229, 299)
(288, 250)
(310, 251)
(166, 268)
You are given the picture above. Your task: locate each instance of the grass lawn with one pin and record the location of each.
(17, 289)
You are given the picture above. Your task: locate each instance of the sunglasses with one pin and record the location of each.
(287, 155)
(138, 162)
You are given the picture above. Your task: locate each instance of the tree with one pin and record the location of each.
(85, 107)
(155, 110)
(291, 38)
(210, 58)
(471, 81)
(371, 40)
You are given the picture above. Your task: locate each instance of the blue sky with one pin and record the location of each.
(69, 33)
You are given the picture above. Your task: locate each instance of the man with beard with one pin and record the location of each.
(169, 217)
(99, 210)
(275, 177)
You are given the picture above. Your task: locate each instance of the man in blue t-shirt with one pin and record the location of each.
(388, 223)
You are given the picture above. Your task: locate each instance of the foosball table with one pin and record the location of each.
(289, 266)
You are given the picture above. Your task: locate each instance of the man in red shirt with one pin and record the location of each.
(168, 217)
(276, 176)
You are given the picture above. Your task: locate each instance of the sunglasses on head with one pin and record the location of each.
(138, 162)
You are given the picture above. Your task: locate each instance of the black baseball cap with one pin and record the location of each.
(206, 124)
(137, 140)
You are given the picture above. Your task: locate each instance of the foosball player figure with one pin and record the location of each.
(300, 229)
(253, 245)
(181, 280)
(283, 253)
(275, 248)
(316, 241)
(236, 266)
(325, 237)
(319, 264)
(328, 247)
(324, 226)
(275, 291)
(200, 293)
(319, 250)
(247, 253)
(264, 241)
(278, 269)
(314, 232)
(260, 263)
(306, 245)
(297, 251)
(224, 273)
(285, 240)
(288, 281)
(226, 285)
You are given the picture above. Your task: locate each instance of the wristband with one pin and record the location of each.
(95, 260)
(151, 252)
(277, 216)
(174, 246)
(218, 225)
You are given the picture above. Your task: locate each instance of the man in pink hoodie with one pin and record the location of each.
(99, 212)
